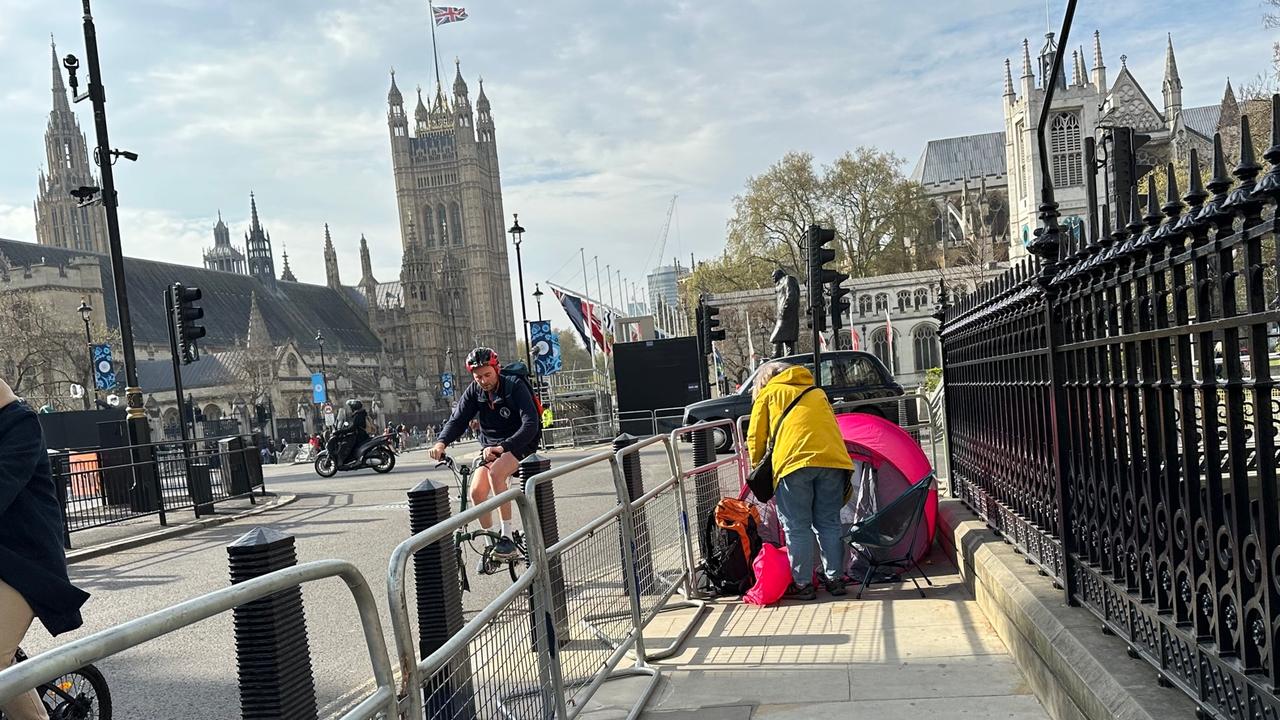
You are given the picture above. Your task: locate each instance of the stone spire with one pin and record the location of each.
(287, 274)
(459, 85)
(1172, 85)
(330, 261)
(1008, 82)
(1028, 75)
(420, 112)
(257, 338)
(1077, 75)
(482, 102)
(59, 90)
(1229, 112)
(1099, 69)
(393, 95)
(257, 246)
(366, 266)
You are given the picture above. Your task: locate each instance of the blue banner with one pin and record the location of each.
(446, 384)
(104, 370)
(545, 345)
(319, 392)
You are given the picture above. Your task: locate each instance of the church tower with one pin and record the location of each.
(331, 277)
(257, 244)
(60, 221)
(1172, 86)
(449, 192)
(223, 255)
(368, 285)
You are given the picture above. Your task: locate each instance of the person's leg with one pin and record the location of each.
(480, 493)
(828, 497)
(795, 502)
(500, 471)
(15, 620)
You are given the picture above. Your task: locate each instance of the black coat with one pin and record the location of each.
(32, 560)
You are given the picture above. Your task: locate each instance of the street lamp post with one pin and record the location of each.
(85, 311)
(537, 296)
(105, 155)
(517, 234)
(324, 376)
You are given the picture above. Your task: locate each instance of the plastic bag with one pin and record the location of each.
(773, 574)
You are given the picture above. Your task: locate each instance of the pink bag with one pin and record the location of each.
(773, 574)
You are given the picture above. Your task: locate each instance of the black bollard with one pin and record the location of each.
(449, 692)
(706, 485)
(273, 653)
(633, 472)
(544, 497)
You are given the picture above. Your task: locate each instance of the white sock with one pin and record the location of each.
(506, 529)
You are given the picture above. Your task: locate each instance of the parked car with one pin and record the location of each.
(845, 375)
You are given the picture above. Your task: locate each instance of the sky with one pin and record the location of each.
(603, 110)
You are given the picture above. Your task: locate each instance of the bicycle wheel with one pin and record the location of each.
(80, 695)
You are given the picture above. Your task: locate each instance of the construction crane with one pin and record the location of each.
(666, 228)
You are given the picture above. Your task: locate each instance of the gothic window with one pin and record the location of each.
(428, 228)
(293, 365)
(904, 300)
(920, 299)
(455, 222)
(924, 341)
(1020, 160)
(864, 305)
(1065, 150)
(884, 349)
(66, 153)
(442, 222)
(882, 302)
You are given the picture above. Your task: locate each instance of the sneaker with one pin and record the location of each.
(805, 592)
(835, 587)
(505, 549)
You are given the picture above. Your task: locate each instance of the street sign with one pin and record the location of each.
(329, 419)
(318, 390)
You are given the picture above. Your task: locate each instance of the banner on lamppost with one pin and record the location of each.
(545, 345)
(319, 393)
(446, 384)
(104, 371)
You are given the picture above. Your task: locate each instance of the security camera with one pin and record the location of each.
(126, 154)
(84, 192)
(71, 64)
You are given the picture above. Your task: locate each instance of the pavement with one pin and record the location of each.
(890, 655)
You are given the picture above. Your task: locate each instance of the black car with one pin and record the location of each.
(846, 375)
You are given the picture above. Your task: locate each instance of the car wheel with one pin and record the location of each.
(723, 440)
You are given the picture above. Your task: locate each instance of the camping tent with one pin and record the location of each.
(897, 462)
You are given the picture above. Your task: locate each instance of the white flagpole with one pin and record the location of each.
(751, 347)
(888, 334)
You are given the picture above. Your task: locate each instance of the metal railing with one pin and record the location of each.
(709, 479)
(48, 666)
(1101, 416)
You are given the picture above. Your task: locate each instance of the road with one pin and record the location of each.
(359, 517)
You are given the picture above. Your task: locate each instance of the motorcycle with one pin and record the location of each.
(375, 453)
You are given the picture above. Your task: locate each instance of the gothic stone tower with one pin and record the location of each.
(455, 274)
(59, 222)
(257, 244)
(223, 255)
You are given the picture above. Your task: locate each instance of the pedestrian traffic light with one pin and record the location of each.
(839, 302)
(1125, 168)
(184, 314)
(819, 274)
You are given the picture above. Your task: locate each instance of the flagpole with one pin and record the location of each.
(435, 53)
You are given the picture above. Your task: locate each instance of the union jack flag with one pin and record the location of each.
(449, 14)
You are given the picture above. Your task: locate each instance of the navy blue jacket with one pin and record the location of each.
(507, 417)
(32, 560)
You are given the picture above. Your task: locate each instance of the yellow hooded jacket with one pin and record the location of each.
(808, 436)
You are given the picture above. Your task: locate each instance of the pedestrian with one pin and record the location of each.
(811, 470)
(33, 565)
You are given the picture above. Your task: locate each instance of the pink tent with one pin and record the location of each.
(898, 462)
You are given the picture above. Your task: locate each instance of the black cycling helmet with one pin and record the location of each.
(480, 357)
(354, 405)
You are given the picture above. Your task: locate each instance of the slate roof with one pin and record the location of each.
(953, 159)
(1203, 120)
(295, 310)
(213, 370)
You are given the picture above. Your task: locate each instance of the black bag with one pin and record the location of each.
(730, 534)
(760, 479)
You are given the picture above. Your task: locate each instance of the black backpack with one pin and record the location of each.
(519, 372)
(731, 537)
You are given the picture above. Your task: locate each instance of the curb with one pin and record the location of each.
(176, 531)
(1074, 670)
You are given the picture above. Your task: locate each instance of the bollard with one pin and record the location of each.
(706, 485)
(449, 692)
(273, 653)
(633, 472)
(544, 497)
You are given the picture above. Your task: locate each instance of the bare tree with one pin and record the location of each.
(42, 351)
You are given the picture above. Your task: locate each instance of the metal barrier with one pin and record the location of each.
(643, 423)
(713, 480)
(55, 663)
(492, 667)
(592, 429)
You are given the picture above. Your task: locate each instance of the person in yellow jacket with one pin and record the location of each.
(811, 469)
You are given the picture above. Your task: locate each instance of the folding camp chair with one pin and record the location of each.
(875, 538)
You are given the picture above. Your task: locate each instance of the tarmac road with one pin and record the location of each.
(359, 517)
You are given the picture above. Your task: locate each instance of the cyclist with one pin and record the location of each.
(504, 409)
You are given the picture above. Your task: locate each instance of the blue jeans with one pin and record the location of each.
(809, 501)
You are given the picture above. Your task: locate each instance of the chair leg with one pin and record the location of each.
(921, 571)
(918, 588)
(866, 577)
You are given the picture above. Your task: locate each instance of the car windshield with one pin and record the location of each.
(837, 371)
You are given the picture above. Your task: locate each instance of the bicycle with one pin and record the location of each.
(79, 695)
(488, 564)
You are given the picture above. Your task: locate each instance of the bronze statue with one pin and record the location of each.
(787, 330)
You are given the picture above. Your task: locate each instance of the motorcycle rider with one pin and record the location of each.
(507, 418)
(350, 433)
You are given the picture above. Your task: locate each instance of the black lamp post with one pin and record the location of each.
(517, 234)
(537, 295)
(85, 311)
(324, 377)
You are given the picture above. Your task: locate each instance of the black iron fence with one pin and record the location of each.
(101, 486)
(1112, 410)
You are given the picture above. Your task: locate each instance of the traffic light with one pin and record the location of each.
(1125, 168)
(185, 329)
(709, 330)
(839, 301)
(820, 275)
